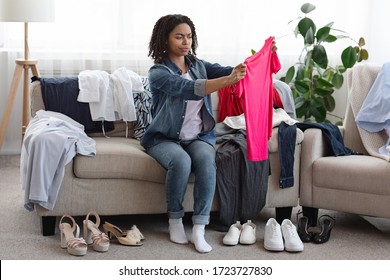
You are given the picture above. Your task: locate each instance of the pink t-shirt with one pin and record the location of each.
(256, 91)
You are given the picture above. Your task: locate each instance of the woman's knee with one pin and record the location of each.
(180, 161)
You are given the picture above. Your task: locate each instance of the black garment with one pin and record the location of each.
(241, 184)
(60, 95)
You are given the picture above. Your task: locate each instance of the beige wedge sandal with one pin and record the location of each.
(76, 246)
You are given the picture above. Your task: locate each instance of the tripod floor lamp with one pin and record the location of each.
(23, 11)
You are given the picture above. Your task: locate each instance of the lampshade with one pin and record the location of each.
(27, 10)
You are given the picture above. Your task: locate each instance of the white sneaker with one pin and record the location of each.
(248, 233)
(292, 242)
(233, 235)
(273, 240)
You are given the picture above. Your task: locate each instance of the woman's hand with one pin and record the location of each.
(274, 48)
(215, 84)
(238, 73)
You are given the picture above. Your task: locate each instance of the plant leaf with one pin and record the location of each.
(362, 42)
(320, 57)
(309, 37)
(324, 83)
(307, 8)
(323, 91)
(328, 74)
(299, 102)
(357, 49)
(302, 107)
(330, 38)
(300, 73)
(290, 74)
(338, 80)
(322, 34)
(329, 103)
(349, 57)
(300, 111)
(317, 102)
(363, 55)
(301, 86)
(330, 24)
(319, 113)
(304, 25)
(307, 64)
(341, 68)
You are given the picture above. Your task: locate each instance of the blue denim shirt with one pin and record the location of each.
(170, 93)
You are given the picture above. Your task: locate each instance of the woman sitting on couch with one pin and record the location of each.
(181, 135)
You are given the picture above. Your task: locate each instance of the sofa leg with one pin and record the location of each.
(312, 214)
(48, 225)
(283, 213)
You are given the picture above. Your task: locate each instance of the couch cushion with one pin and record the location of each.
(119, 157)
(364, 174)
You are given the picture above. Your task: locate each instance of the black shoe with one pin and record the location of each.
(326, 224)
(302, 229)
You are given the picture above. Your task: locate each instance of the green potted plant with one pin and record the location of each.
(312, 80)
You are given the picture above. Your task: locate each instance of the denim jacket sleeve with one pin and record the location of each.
(166, 78)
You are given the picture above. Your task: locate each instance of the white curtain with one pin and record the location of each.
(108, 34)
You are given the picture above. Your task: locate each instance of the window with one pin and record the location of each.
(112, 33)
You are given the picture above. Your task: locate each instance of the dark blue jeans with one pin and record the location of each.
(287, 135)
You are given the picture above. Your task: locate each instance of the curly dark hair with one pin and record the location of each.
(161, 30)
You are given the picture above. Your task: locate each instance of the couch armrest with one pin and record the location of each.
(342, 130)
(313, 147)
(36, 100)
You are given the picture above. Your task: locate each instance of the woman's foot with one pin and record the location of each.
(176, 231)
(198, 239)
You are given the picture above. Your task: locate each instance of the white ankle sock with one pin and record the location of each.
(198, 239)
(176, 231)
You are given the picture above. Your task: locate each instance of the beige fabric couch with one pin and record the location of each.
(357, 184)
(122, 179)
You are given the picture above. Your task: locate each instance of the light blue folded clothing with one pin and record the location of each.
(374, 114)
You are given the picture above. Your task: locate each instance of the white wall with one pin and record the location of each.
(378, 39)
